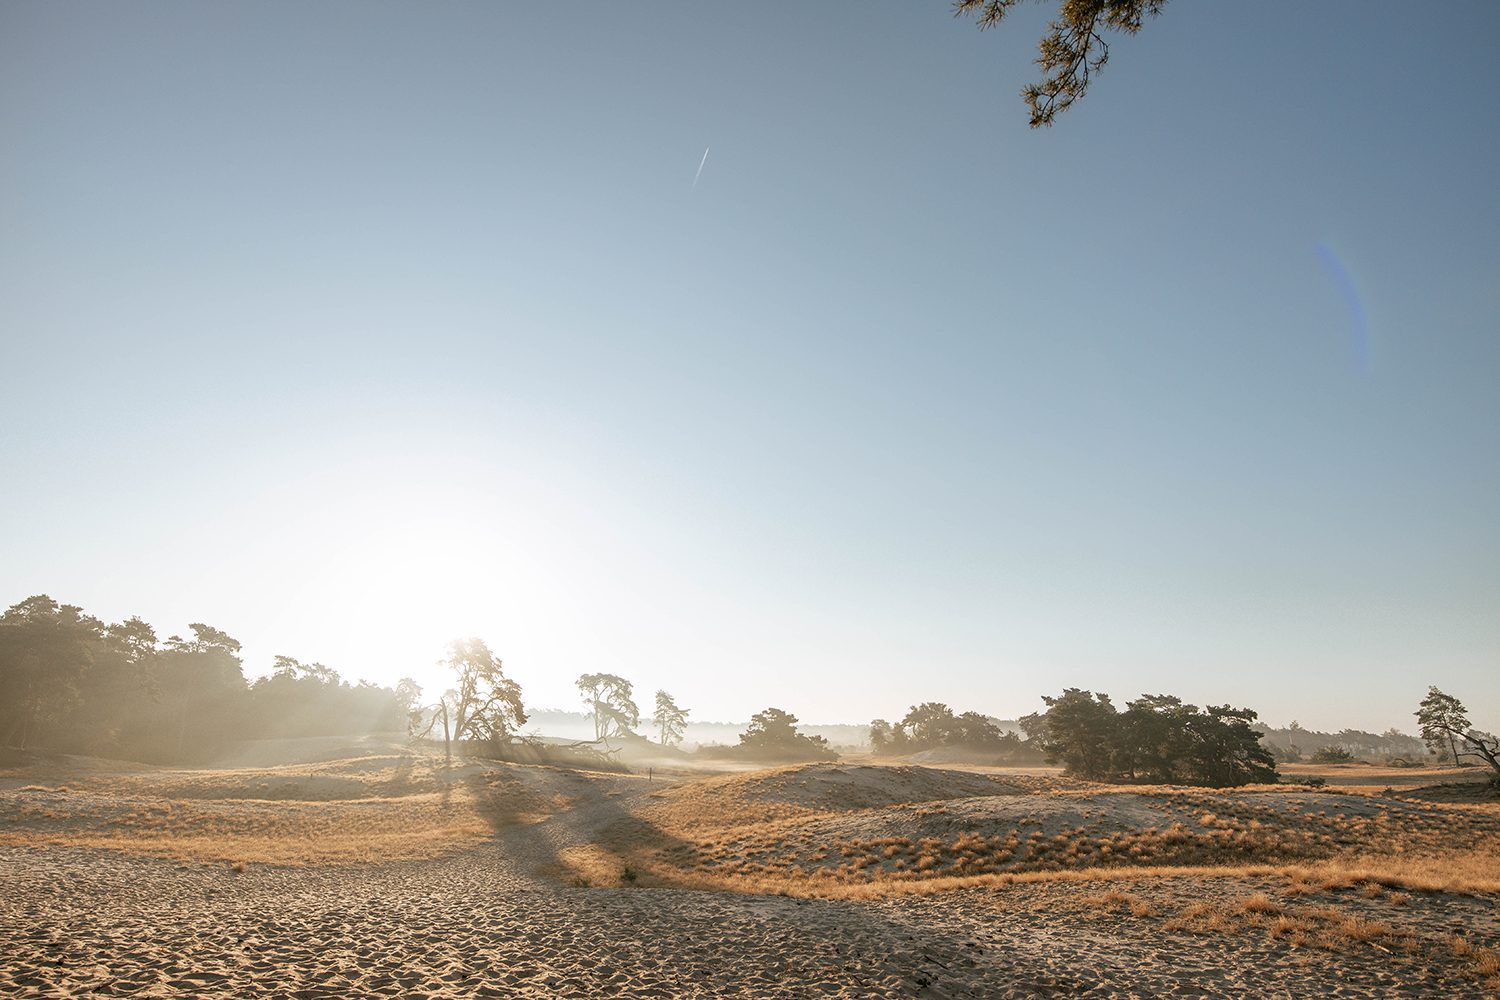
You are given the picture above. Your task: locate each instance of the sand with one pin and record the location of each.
(497, 918)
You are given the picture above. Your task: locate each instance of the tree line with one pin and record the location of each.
(1157, 739)
(72, 683)
(933, 724)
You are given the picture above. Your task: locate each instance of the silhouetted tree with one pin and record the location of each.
(46, 650)
(316, 672)
(310, 699)
(933, 724)
(68, 682)
(1074, 48)
(200, 679)
(409, 700)
(485, 705)
(975, 730)
(609, 701)
(773, 734)
(930, 724)
(670, 719)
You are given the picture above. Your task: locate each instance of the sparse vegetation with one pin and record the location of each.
(1344, 873)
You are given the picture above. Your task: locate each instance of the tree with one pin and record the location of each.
(976, 730)
(69, 682)
(1152, 738)
(309, 699)
(316, 672)
(1072, 51)
(930, 724)
(609, 700)
(1157, 738)
(409, 699)
(670, 719)
(1332, 754)
(484, 706)
(1080, 733)
(881, 736)
(1225, 751)
(773, 733)
(134, 638)
(1442, 718)
(201, 678)
(46, 652)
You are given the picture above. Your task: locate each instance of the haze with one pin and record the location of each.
(351, 329)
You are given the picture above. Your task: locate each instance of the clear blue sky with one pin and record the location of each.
(352, 327)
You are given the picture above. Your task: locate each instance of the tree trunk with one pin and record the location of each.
(447, 739)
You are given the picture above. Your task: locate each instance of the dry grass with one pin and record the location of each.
(355, 811)
(1115, 901)
(837, 831)
(1321, 871)
(736, 833)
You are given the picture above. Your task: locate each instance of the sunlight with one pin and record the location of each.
(405, 563)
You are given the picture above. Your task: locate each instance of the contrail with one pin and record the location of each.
(700, 166)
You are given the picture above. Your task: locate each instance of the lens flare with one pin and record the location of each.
(1354, 308)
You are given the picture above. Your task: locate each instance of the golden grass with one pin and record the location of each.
(1425, 848)
(275, 834)
(221, 816)
(1114, 900)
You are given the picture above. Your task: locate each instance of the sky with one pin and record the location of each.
(352, 328)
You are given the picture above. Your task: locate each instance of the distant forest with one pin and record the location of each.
(1293, 743)
(580, 725)
(70, 682)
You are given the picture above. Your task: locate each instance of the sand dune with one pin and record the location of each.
(501, 880)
